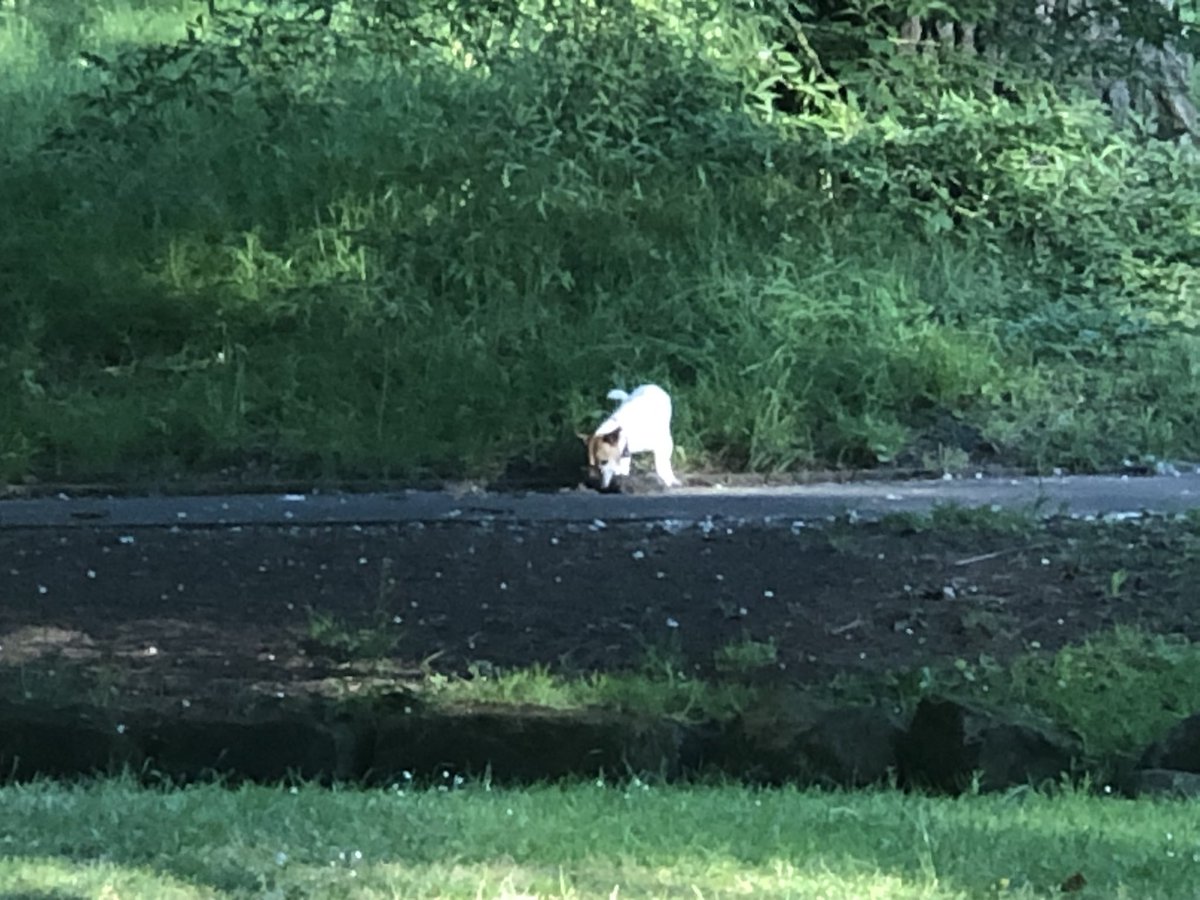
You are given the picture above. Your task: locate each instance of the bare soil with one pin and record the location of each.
(219, 617)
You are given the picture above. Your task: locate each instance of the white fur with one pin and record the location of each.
(644, 420)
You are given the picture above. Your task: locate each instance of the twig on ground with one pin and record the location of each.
(982, 557)
(849, 626)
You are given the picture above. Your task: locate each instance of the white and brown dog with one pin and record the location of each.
(641, 424)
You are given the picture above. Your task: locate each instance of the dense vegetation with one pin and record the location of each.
(386, 239)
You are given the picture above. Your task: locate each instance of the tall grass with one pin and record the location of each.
(342, 253)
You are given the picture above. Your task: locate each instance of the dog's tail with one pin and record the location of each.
(618, 395)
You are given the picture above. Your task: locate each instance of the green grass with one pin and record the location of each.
(400, 258)
(955, 519)
(115, 840)
(746, 656)
(1119, 690)
(670, 693)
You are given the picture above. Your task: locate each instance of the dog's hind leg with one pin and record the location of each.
(662, 465)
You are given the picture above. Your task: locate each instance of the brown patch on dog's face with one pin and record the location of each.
(602, 449)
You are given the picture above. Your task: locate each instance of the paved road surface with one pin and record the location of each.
(1076, 495)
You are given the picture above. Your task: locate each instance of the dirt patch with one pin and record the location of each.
(220, 618)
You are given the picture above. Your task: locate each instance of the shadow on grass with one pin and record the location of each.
(582, 838)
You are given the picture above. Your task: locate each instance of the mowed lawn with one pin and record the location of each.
(114, 839)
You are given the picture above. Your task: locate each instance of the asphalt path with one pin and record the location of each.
(1080, 496)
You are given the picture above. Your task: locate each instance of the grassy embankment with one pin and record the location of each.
(363, 252)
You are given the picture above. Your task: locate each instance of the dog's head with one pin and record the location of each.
(604, 455)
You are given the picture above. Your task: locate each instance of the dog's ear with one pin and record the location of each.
(584, 436)
(612, 438)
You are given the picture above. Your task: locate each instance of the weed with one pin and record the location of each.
(672, 695)
(663, 658)
(335, 636)
(947, 460)
(746, 656)
(1116, 581)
